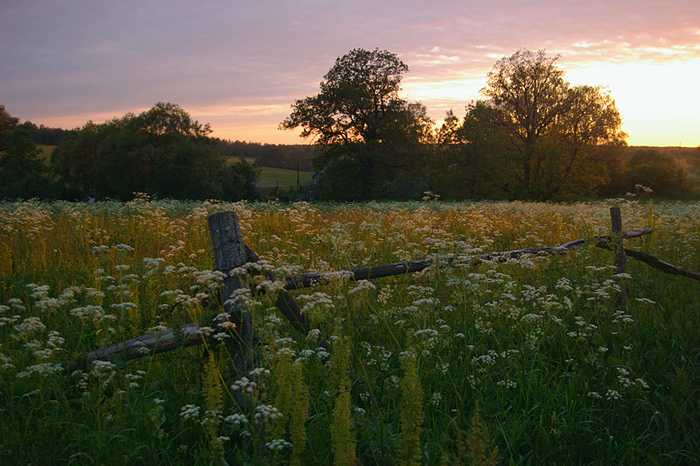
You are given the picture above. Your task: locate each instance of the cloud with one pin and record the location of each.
(76, 58)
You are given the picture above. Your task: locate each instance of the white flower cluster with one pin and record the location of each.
(237, 419)
(244, 384)
(189, 412)
(29, 326)
(266, 412)
(318, 302)
(104, 371)
(362, 286)
(277, 444)
(41, 370)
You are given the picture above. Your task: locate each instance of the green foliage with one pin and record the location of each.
(411, 412)
(7, 123)
(359, 116)
(472, 159)
(161, 152)
(655, 170)
(23, 173)
(567, 141)
(562, 377)
(342, 432)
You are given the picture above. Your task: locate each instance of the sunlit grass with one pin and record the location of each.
(283, 178)
(559, 375)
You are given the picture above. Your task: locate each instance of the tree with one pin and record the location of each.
(75, 160)
(23, 174)
(585, 144)
(530, 92)
(358, 115)
(566, 139)
(7, 123)
(472, 157)
(656, 170)
(162, 152)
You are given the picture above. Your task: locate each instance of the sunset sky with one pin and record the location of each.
(239, 65)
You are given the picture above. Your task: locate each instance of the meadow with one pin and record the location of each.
(518, 362)
(280, 177)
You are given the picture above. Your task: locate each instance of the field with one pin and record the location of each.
(280, 177)
(522, 362)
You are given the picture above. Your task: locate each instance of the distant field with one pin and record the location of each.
(283, 178)
(269, 177)
(277, 177)
(46, 151)
(250, 160)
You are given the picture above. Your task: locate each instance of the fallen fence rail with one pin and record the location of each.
(230, 253)
(310, 279)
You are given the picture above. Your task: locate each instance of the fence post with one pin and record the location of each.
(229, 253)
(620, 257)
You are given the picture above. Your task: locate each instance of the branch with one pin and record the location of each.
(146, 345)
(306, 280)
(661, 265)
(189, 335)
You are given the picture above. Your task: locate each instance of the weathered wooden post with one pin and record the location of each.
(229, 253)
(620, 257)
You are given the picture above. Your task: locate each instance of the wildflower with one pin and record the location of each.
(189, 412)
(642, 383)
(259, 371)
(29, 326)
(645, 300)
(266, 412)
(384, 295)
(153, 263)
(507, 383)
(104, 371)
(127, 306)
(5, 362)
(244, 384)
(278, 444)
(41, 370)
(530, 318)
(237, 419)
(563, 284)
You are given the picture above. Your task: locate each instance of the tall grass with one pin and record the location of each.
(524, 362)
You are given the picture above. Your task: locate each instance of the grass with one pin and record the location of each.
(558, 375)
(283, 178)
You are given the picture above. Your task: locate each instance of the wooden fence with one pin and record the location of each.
(231, 253)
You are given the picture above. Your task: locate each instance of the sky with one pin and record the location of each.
(239, 65)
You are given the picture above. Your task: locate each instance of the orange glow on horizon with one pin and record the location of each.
(653, 98)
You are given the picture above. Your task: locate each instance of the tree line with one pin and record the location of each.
(162, 152)
(289, 156)
(533, 136)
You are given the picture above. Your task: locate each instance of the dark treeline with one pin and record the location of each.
(532, 137)
(161, 152)
(270, 155)
(46, 136)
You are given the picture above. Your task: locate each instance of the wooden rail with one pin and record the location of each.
(230, 253)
